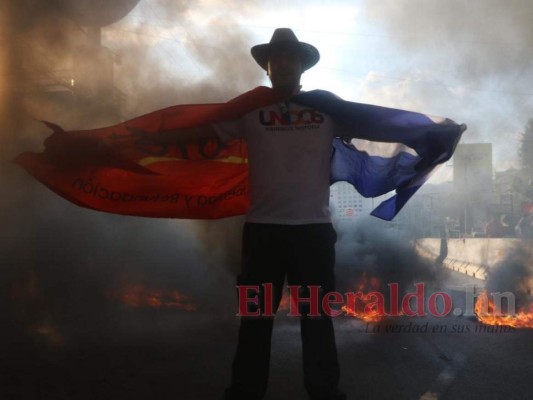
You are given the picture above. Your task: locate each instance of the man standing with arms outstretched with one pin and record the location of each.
(288, 229)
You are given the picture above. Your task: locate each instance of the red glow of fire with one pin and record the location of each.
(285, 301)
(363, 309)
(138, 295)
(485, 312)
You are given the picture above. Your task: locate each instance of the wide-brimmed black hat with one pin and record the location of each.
(284, 38)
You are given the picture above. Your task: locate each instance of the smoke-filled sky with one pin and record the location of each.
(467, 60)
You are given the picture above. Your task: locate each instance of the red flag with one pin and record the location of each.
(119, 169)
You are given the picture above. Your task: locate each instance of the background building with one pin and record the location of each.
(473, 185)
(346, 203)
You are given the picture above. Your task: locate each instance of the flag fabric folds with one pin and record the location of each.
(394, 150)
(120, 169)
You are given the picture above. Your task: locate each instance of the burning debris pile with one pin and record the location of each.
(365, 309)
(488, 313)
(372, 259)
(139, 295)
(510, 279)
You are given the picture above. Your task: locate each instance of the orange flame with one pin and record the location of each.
(364, 308)
(138, 295)
(485, 312)
(285, 301)
(50, 333)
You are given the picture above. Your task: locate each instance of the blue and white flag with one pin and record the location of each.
(394, 150)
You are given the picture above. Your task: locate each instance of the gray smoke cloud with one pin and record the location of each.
(370, 248)
(61, 264)
(218, 59)
(488, 37)
(465, 59)
(512, 275)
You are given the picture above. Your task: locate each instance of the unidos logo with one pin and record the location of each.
(292, 117)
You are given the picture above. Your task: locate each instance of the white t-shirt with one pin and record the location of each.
(289, 163)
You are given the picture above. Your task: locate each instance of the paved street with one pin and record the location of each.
(181, 355)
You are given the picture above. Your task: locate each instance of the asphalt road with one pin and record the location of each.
(183, 355)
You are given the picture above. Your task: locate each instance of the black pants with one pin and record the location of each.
(306, 255)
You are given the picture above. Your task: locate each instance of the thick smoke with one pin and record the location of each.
(193, 64)
(370, 248)
(489, 37)
(468, 60)
(59, 262)
(513, 274)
